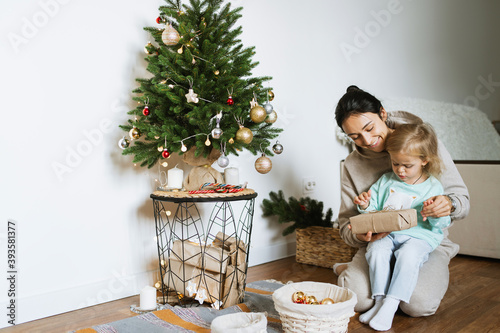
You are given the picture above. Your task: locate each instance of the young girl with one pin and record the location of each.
(415, 164)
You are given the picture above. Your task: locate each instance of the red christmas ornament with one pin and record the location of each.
(230, 100)
(165, 153)
(145, 111)
(158, 20)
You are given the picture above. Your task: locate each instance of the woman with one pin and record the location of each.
(363, 118)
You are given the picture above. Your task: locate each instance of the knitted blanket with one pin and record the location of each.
(258, 298)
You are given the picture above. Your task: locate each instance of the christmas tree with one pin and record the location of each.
(201, 94)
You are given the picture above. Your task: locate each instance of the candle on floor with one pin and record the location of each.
(148, 298)
(175, 177)
(231, 176)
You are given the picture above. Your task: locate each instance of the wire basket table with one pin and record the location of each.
(203, 262)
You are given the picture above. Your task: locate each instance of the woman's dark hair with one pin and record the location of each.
(356, 101)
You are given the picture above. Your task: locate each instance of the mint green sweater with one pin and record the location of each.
(393, 193)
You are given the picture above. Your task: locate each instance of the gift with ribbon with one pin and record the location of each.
(384, 221)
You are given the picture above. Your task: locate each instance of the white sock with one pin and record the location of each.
(368, 315)
(385, 315)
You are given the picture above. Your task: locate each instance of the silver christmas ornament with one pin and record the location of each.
(268, 107)
(277, 148)
(216, 133)
(123, 143)
(223, 161)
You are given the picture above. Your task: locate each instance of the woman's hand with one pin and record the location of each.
(437, 206)
(370, 236)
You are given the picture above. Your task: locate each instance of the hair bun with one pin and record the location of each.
(352, 88)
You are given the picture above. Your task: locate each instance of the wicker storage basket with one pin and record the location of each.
(315, 318)
(322, 246)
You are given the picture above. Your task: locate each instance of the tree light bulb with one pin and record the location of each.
(164, 164)
(158, 285)
(160, 149)
(168, 213)
(207, 143)
(180, 50)
(183, 148)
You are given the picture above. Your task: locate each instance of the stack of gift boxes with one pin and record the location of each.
(212, 273)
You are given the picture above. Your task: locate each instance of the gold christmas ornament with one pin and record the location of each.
(311, 300)
(263, 164)
(272, 117)
(298, 297)
(244, 135)
(134, 133)
(148, 45)
(327, 301)
(271, 95)
(170, 36)
(258, 114)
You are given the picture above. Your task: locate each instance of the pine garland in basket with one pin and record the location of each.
(304, 212)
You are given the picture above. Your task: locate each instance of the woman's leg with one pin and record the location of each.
(356, 277)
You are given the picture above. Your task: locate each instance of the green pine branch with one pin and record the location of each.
(302, 213)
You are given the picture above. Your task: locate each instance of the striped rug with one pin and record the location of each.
(258, 298)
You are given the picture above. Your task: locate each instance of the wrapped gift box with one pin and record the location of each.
(180, 276)
(384, 221)
(210, 257)
(236, 248)
(221, 266)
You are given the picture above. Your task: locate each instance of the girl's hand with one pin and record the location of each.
(363, 200)
(437, 206)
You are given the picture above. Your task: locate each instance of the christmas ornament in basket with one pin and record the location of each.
(299, 317)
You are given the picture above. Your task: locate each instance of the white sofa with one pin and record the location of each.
(474, 144)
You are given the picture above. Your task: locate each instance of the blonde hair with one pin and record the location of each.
(417, 140)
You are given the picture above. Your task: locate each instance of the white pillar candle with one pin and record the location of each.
(148, 298)
(175, 177)
(231, 176)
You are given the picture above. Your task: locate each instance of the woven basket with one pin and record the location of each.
(315, 318)
(322, 246)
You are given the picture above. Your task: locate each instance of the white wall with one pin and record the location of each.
(85, 232)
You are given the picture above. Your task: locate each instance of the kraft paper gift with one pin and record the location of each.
(236, 248)
(179, 276)
(384, 221)
(209, 256)
(233, 285)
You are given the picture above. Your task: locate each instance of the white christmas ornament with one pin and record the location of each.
(201, 296)
(170, 36)
(223, 161)
(191, 288)
(192, 97)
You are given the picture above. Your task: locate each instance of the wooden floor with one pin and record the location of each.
(472, 303)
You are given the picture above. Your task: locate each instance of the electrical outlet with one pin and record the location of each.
(308, 185)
